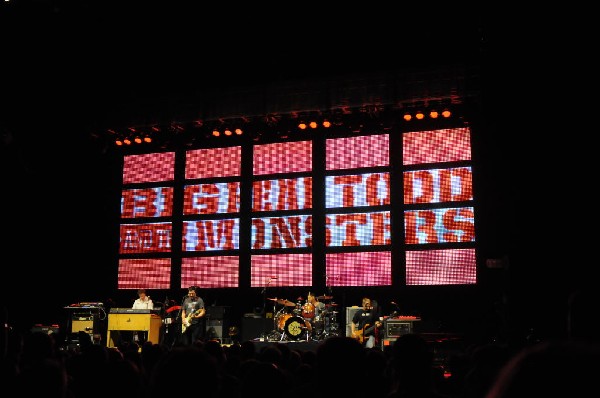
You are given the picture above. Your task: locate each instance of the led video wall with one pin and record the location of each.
(371, 207)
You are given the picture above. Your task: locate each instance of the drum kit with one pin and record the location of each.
(302, 321)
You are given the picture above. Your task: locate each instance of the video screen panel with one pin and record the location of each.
(357, 190)
(208, 235)
(357, 152)
(437, 146)
(282, 157)
(211, 198)
(438, 185)
(358, 229)
(145, 238)
(359, 269)
(213, 162)
(154, 273)
(294, 269)
(147, 202)
(210, 272)
(282, 194)
(441, 267)
(439, 226)
(288, 232)
(150, 167)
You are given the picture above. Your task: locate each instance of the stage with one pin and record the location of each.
(302, 345)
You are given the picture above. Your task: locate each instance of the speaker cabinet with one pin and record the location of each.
(216, 328)
(86, 325)
(350, 311)
(217, 312)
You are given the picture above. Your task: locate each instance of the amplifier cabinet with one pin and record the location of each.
(350, 311)
(395, 328)
(83, 325)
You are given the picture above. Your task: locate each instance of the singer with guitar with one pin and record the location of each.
(366, 323)
(192, 317)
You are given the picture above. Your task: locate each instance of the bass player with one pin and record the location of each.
(366, 323)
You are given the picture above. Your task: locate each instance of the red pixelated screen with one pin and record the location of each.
(145, 238)
(422, 210)
(213, 162)
(441, 267)
(283, 269)
(150, 167)
(359, 269)
(208, 272)
(147, 202)
(283, 157)
(445, 145)
(357, 152)
(136, 273)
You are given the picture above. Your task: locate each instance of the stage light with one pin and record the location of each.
(313, 125)
(446, 113)
(239, 131)
(228, 132)
(216, 133)
(302, 126)
(434, 114)
(127, 141)
(118, 142)
(147, 139)
(137, 140)
(326, 123)
(419, 115)
(407, 117)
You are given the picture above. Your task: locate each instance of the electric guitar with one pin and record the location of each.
(185, 323)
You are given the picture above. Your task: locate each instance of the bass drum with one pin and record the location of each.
(281, 320)
(296, 327)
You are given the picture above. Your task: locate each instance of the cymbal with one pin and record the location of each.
(325, 297)
(287, 303)
(272, 299)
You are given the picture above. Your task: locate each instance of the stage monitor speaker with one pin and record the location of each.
(350, 311)
(45, 329)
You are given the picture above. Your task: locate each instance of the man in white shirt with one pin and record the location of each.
(144, 302)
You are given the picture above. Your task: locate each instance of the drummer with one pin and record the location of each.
(313, 307)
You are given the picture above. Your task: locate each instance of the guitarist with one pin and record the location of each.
(192, 317)
(366, 323)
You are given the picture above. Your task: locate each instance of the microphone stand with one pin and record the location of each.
(264, 295)
(264, 308)
(178, 317)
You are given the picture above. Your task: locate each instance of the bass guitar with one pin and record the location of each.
(365, 331)
(185, 323)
